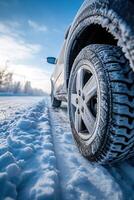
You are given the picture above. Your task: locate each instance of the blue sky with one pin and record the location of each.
(31, 30)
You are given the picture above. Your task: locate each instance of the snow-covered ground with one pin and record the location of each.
(13, 105)
(39, 160)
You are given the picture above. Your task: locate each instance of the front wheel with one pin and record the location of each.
(101, 104)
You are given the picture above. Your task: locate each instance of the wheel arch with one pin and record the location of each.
(112, 20)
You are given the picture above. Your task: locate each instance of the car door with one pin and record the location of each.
(58, 75)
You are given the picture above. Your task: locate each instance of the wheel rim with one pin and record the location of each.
(84, 101)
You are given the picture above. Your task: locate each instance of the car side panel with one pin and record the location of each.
(58, 75)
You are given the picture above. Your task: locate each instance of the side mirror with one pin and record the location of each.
(51, 60)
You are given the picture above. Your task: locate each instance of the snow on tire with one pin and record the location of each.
(103, 128)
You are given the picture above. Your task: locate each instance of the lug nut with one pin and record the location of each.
(82, 109)
(76, 100)
(79, 93)
(83, 97)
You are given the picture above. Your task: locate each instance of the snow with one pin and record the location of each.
(39, 160)
(10, 106)
(26, 124)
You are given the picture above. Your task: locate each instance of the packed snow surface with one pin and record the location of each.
(39, 160)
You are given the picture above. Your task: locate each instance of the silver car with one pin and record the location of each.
(94, 73)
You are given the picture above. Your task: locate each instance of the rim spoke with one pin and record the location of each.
(79, 80)
(77, 121)
(89, 119)
(73, 99)
(90, 88)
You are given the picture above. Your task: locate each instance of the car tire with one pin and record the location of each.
(54, 102)
(101, 104)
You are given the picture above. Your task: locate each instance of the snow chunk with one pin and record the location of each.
(3, 149)
(26, 153)
(48, 146)
(48, 153)
(14, 143)
(26, 124)
(43, 118)
(6, 159)
(13, 170)
(46, 193)
(8, 189)
(50, 160)
(45, 187)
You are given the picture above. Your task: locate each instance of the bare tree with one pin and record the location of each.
(17, 88)
(28, 88)
(5, 79)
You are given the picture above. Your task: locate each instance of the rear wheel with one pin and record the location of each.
(54, 102)
(101, 104)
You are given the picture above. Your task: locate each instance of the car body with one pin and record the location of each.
(102, 22)
(57, 78)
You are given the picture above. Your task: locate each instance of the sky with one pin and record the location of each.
(31, 30)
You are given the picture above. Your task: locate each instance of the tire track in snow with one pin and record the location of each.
(44, 184)
(79, 179)
(27, 161)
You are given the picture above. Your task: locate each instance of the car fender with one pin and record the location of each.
(117, 16)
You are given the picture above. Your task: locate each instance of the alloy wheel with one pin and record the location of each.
(84, 101)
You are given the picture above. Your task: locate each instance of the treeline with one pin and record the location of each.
(7, 85)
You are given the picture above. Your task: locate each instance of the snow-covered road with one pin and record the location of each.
(39, 160)
(13, 105)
